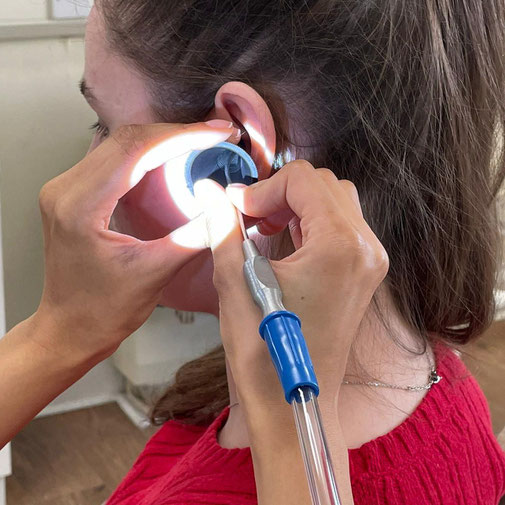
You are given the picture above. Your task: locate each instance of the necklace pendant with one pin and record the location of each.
(434, 377)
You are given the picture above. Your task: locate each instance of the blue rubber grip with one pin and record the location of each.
(282, 332)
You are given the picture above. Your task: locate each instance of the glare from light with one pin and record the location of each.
(255, 135)
(174, 147)
(203, 230)
(175, 180)
(192, 235)
(220, 213)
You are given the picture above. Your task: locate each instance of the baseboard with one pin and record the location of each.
(132, 411)
(136, 415)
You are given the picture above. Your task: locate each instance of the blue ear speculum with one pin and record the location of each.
(224, 163)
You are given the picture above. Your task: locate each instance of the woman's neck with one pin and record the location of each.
(375, 354)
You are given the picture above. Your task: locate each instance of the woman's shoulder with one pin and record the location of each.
(451, 407)
(447, 442)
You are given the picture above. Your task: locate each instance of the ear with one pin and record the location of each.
(238, 102)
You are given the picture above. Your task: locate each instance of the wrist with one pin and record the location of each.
(263, 394)
(256, 378)
(278, 415)
(64, 341)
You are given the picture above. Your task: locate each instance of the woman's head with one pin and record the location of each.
(402, 98)
(121, 94)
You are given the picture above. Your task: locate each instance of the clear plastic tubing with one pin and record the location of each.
(314, 447)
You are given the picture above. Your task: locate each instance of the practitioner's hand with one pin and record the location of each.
(100, 285)
(328, 281)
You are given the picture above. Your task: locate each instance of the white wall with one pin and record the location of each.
(43, 131)
(5, 452)
(26, 10)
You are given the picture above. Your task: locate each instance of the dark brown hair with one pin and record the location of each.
(402, 97)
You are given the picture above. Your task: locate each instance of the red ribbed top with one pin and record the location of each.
(444, 453)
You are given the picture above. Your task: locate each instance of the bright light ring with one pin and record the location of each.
(178, 191)
(225, 163)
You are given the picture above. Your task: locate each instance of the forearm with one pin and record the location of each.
(278, 465)
(32, 374)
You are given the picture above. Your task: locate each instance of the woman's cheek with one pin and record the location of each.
(192, 289)
(147, 211)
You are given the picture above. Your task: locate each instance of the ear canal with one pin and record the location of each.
(245, 141)
(224, 163)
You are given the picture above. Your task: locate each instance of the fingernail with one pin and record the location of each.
(219, 123)
(237, 133)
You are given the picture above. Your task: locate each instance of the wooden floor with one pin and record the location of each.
(486, 360)
(78, 458)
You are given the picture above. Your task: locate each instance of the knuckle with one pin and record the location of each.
(355, 251)
(358, 244)
(56, 208)
(351, 190)
(381, 260)
(62, 216)
(371, 257)
(326, 174)
(357, 248)
(348, 186)
(299, 167)
(298, 173)
(46, 198)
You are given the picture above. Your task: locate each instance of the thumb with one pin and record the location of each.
(223, 231)
(238, 315)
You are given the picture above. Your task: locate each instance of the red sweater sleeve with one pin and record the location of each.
(443, 454)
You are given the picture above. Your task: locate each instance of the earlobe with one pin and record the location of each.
(240, 103)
